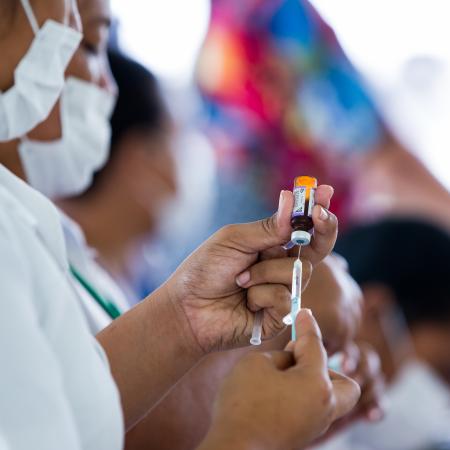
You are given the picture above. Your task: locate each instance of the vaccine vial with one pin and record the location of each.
(301, 222)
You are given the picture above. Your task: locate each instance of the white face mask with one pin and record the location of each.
(64, 167)
(39, 77)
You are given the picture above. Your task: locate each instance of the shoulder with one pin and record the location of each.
(30, 212)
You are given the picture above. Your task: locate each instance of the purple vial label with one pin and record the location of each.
(299, 201)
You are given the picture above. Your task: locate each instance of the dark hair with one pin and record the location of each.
(139, 106)
(410, 257)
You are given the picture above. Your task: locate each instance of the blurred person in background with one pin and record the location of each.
(129, 197)
(282, 98)
(403, 268)
(153, 196)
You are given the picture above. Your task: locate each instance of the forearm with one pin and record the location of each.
(392, 180)
(222, 439)
(149, 349)
(182, 419)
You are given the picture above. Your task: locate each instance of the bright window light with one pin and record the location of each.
(165, 35)
(381, 36)
(401, 46)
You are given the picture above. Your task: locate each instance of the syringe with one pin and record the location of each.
(296, 295)
(257, 328)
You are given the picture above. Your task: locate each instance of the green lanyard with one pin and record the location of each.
(109, 307)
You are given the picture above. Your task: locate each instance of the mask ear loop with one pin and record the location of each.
(30, 15)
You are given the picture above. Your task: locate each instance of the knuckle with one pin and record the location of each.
(280, 292)
(227, 231)
(268, 224)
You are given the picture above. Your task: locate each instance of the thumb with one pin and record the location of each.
(263, 234)
(308, 349)
(346, 393)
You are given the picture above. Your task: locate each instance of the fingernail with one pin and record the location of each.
(307, 311)
(375, 415)
(281, 201)
(243, 279)
(323, 214)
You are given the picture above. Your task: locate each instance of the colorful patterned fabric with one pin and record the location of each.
(281, 100)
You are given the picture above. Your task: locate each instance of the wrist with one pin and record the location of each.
(149, 351)
(166, 310)
(176, 302)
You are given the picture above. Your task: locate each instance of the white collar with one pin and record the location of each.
(37, 211)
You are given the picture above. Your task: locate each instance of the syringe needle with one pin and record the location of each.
(296, 299)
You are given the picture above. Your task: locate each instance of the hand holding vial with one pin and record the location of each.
(213, 293)
(302, 225)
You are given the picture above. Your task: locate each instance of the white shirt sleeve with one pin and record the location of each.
(34, 410)
(3, 444)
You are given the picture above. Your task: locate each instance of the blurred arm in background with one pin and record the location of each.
(392, 181)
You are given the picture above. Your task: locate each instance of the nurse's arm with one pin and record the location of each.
(149, 349)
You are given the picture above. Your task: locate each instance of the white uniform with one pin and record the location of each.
(56, 391)
(82, 258)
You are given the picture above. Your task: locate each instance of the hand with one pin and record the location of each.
(217, 311)
(362, 364)
(281, 400)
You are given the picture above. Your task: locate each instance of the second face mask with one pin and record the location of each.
(64, 167)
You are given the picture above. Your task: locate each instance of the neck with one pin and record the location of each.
(109, 228)
(9, 157)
